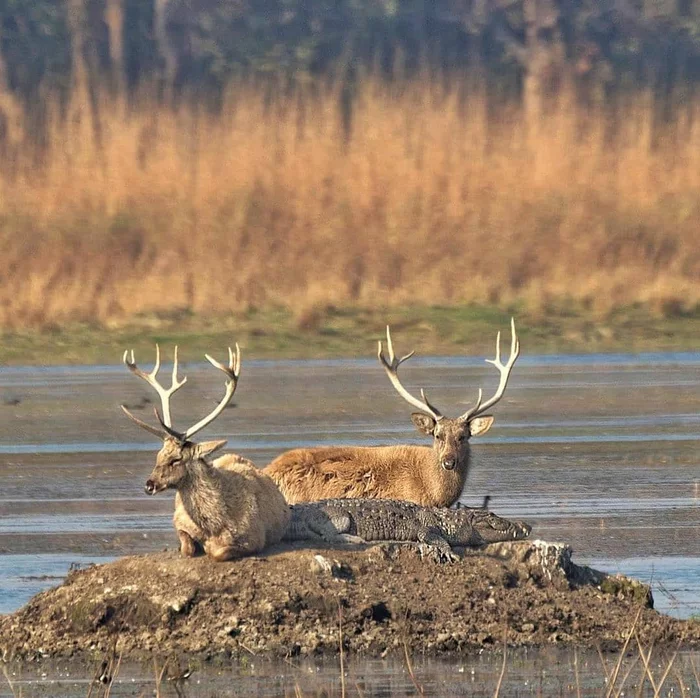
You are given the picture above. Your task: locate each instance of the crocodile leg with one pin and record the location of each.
(433, 544)
(342, 523)
(349, 539)
(333, 527)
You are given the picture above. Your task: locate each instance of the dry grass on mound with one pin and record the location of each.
(429, 196)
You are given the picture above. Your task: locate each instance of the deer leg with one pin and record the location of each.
(188, 546)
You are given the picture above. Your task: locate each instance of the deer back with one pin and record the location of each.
(410, 473)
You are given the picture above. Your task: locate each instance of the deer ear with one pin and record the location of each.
(480, 425)
(424, 423)
(206, 448)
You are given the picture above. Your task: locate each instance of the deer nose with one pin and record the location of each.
(150, 487)
(449, 463)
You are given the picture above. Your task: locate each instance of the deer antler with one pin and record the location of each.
(233, 371)
(160, 433)
(392, 364)
(152, 380)
(391, 367)
(164, 393)
(480, 408)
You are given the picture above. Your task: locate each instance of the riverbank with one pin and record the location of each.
(298, 601)
(328, 332)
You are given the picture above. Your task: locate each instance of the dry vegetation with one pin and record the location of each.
(430, 195)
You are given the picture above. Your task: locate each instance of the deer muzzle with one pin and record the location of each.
(152, 488)
(449, 463)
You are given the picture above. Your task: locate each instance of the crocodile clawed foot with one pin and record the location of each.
(436, 553)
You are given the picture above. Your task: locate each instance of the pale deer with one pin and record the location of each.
(228, 508)
(427, 476)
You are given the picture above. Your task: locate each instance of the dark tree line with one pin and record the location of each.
(533, 45)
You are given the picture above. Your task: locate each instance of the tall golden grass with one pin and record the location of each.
(428, 194)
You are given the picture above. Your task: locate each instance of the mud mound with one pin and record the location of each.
(289, 602)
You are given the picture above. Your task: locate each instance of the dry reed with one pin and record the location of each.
(429, 195)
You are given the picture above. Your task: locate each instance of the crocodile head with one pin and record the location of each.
(487, 527)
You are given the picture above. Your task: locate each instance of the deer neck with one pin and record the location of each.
(202, 496)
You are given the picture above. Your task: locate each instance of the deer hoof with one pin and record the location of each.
(223, 553)
(188, 547)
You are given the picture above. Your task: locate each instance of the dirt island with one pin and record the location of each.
(296, 600)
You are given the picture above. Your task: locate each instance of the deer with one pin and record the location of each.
(227, 507)
(428, 476)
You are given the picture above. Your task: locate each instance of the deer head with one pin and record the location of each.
(175, 460)
(451, 435)
(179, 457)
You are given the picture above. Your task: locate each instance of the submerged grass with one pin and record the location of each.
(431, 194)
(353, 333)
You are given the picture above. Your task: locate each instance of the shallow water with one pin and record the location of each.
(527, 673)
(598, 451)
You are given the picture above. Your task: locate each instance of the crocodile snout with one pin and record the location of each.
(522, 530)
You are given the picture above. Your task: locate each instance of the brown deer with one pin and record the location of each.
(427, 476)
(227, 507)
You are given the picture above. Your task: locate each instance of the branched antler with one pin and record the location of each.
(504, 371)
(391, 367)
(392, 364)
(232, 371)
(152, 380)
(164, 393)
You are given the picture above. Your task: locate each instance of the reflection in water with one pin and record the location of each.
(598, 451)
(547, 672)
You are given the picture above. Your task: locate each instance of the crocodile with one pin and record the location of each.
(436, 529)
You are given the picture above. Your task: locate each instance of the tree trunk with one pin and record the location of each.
(544, 62)
(11, 112)
(166, 48)
(83, 110)
(80, 88)
(114, 19)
